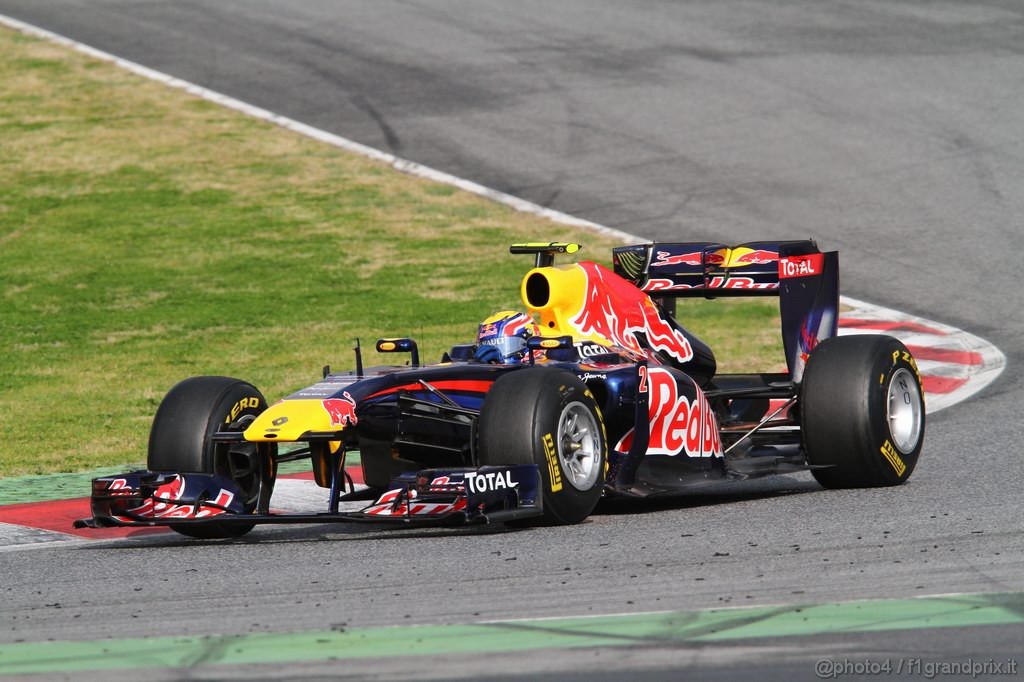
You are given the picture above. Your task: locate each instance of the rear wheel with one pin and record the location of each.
(548, 417)
(862, 412)
(180, 441)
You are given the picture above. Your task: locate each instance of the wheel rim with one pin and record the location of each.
(905, 410)
(579, 446)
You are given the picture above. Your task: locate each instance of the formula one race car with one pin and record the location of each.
(611, 397)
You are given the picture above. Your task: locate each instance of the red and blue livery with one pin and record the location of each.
(612, 396)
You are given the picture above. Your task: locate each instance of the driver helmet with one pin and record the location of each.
(508, 331)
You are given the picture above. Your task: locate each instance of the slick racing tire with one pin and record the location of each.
(180, 441)
(862, 412)
(547, 417)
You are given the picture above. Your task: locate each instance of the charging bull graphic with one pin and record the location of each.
(692, 258)
(744, 256)
(341, 410)
(734, 257)
(616, 310)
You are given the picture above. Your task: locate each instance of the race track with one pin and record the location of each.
(888, 130)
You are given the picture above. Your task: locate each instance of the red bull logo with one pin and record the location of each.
(716, 282)
(692, 258)
(615, 310)
(677, 424)
(341, 410)
(730, 258)
(743, 256)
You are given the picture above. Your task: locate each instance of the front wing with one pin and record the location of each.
(429, 497)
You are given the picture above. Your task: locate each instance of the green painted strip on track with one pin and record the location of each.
(505, 636)
(49, 487)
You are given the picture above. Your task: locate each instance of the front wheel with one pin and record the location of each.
(862, 412)
(180, 441)
(548, 417)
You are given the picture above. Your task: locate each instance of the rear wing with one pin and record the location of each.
(805, 279)
(709, 269)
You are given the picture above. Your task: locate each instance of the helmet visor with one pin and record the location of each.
(508, 345)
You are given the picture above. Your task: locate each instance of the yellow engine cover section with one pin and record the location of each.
(555, 295)
(288, 420)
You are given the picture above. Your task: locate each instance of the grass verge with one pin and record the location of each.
(147, 235)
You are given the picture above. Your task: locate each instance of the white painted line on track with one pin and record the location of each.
(952, 381)
(13, 534)
(16, 538)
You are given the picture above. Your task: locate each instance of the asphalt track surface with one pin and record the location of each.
(888, 130)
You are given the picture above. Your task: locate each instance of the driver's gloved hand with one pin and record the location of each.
(487, 354)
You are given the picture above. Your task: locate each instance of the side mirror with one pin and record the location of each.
(547, 343)
(400, 346)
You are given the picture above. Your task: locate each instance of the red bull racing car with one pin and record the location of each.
(612, 397)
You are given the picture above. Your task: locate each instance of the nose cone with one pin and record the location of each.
(288, 420)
